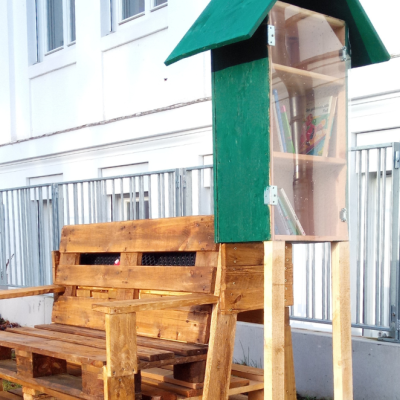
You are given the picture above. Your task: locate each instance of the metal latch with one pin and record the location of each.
(343, 214)
(271, 35)
(343, 53)
(397, 159)
(271, 195)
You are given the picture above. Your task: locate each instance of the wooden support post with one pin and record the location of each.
(220, 354)
(274, 320)
(341, 322)
(290, 383)
(122, 364)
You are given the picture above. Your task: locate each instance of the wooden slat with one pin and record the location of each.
(251, 253)
(153, 393)
(182, 349)
(219, 358)
(121, 345)
(144, 353)
(206, 258)
(244, 371)
(168, 234)
(341, 322)
(173, 361)
(33, 291)
(9, 396)
(63, 387)
(158, 303)
(180, 279)
(274, 320)
(165, 375)
(290, 382)
(289, 299)
(71, 352)
(184, 391)
(165, 324)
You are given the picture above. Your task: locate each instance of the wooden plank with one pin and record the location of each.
(182, 349)
(54, 348)
(183, 391)
(153, 393)
(219, 358)
(9, 396)
(290, 382)
(257, 395)
(182, 279)
(165, 324)
(121, 345)
(206, 258)
(55, 258)
(130, 259)
(33, 291)
(49, 385)
(251, 253)
(253, 316)
(167, 234)
(121, 388)
(244, 371)
(165, 375)
(274, 320)
(82, 293)
(341, 322)
(144, 353)
(158, 303)
(91, 384)
(173, 361)
(289, 299)
(191, 372)
(69, 258)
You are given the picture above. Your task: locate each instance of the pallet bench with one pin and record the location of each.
(142, 310)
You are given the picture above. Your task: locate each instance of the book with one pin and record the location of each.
(290, 225)
(276, 129)
(294, 220)
(281, 227)
(329, 128)
(280, 123)
(316, 128)
(287, 131)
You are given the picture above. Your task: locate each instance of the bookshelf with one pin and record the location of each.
(308, 107)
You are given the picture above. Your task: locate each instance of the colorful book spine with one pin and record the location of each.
(286, 215)
(280, 123)
(329, 127)
(287, 131)
(277, 133)
(292, 215)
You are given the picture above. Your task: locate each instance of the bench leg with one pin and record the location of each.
(274, 320)
(341, 322)
(220, 354)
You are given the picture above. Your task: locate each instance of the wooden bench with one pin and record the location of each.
(142, 309)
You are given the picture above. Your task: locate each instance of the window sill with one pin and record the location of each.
(54, 51)
(124, 21)
(160, 6)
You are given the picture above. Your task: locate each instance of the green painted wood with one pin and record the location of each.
(241, 140)
(225, 22)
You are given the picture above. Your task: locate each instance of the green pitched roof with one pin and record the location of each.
(225, 22)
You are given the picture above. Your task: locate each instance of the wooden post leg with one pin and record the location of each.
(274, 320)
(220, 354)
(290, 383)
(341, 323)
(119, 379)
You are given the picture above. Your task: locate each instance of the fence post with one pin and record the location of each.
(3, 259)
(56, 221)
(394, 263)
(178, 192)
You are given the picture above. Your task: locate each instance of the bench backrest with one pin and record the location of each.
(158, 257)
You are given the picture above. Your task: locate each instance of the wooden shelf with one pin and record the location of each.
(309, 238)
(296, 76)
(287, 159)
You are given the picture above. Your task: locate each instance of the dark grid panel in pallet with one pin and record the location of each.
(170, 259)
(99, 258)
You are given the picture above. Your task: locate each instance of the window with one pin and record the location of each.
(131, 8)
(51, 27)
(55, 35)
(159, 2)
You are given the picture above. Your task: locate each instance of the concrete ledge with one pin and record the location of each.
(376, 365)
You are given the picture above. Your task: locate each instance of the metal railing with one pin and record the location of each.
(31, 219)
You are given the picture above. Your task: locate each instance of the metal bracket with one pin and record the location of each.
(271, 35)
(271, 195)
(343, 53)
(343, 214)
(397, 160)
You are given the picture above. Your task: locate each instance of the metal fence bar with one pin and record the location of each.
(382, 244)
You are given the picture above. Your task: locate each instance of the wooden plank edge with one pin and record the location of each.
(157, 303)
(32, 291)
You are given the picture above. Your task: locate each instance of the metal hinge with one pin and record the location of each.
(343, 53)
(397, 160)
(271, 195)
(271, 35)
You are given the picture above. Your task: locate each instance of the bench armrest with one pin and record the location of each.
(31, 291)
(157, 303)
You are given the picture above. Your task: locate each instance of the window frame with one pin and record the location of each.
(38, 20)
